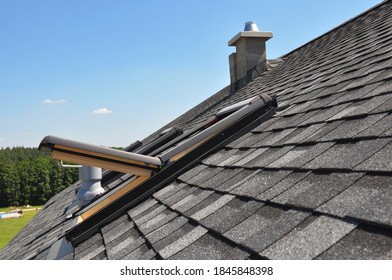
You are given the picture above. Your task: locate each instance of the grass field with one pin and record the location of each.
(10, 227)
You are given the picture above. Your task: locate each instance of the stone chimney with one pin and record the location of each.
(250, 56)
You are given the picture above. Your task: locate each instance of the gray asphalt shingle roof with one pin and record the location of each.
(315, 181)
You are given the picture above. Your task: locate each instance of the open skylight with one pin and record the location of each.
(165, 161)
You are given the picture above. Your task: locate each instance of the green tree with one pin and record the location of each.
(28, 176)
(10, 188)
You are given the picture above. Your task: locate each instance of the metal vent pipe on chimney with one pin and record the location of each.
(251, 26)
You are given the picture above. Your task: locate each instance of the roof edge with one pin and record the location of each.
(333, 29)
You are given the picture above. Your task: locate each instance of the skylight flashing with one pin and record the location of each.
(60, 249)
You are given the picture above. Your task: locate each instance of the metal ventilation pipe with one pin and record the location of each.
(251, 26)
(91, 184)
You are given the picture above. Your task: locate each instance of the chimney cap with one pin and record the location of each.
(250, 34)
(250, 31)
(251, 26)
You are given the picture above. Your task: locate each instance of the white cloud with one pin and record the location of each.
(2, 139)
(102, 111)
(50, 101)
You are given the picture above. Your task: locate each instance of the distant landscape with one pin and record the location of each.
(28, 177)
(31, 177)
(10, 227)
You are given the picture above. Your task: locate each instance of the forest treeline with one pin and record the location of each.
(29, 176)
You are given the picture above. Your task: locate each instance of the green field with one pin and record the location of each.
(10, 227)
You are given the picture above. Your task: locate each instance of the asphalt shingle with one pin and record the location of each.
(228, 185)
(380, 161)
(282, 186)
(192, 200)
(142, 207)
(179, 195)
(378, 128)
(231, 214)
(325, 114)
(89, 248)
(124, 244)
(316, 189)
(149, 214)
(218, 157)
(363, 243)
(299, 135)
(365, 107)
(182, 242)
(166, 229)
(216, 181)
(300, 155)
(173, 237)
(351, 128)
(265, 227)
(310, 241)
(325, 129)
(205, 175)
(168, 191)
(268, 157)
(254, 153)
(347, 155)
(236, 157)
(192, 173)
(211, 208)
(261, 181)
(116, 228)
(368, 199)
(209, 248)
(141, 253)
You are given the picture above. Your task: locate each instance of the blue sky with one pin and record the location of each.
(112, 72)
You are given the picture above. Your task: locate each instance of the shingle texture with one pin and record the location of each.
(313, 182)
